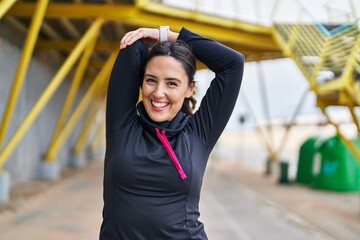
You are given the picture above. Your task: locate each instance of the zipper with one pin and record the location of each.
(165, 142)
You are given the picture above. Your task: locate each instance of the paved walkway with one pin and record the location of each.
(237, 204)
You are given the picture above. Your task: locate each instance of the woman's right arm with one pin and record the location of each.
(125, 80)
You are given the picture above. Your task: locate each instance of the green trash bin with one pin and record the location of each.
(307, 152)
(284, 172)
(339, 169)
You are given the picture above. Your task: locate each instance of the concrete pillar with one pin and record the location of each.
(77, 160)
(49, 170)
(94, 154)
(4, 186)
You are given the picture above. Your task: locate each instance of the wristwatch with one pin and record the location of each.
(163, 33)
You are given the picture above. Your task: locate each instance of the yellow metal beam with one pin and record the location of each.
(55, 147)
(330, 86)
(73, 88)
(98, 140)
(5, 5)
(197, 16)
(77, 10)
(355, 118)
(351, 146)
(49, 91)
(131, 15)
(353, 90)
(224, 35)
(319, 64)
(88, 125)
(101, 45)
(30, 41)
(110, 45)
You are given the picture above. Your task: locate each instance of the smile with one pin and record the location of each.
(159, 104)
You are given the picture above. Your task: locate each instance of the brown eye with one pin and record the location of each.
(172, 84)
(150, 80)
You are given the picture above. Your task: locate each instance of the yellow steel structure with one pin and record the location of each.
(318, 51)
(91, 118)
(50, 90)
(89, 123)
(131, 15)
(79, 74)
(5, 5)
(164, 10)
(100, 80)
(350, 144)
(98, 141)
(23, 66)
(254, 41)
(313, 51)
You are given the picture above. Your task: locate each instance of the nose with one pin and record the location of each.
(159, 91)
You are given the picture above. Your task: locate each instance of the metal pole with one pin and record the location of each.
(99, 136)
(291, 123)
(349, 144)
(5, 5)
(261, 134)
(265, 104)
(73, 89)
(353, 9)
(23, 66)
(54, 148)
(49, 91)
(89, 121)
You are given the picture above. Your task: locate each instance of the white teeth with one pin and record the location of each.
(158, 104)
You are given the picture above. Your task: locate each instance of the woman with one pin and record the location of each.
(157, 150)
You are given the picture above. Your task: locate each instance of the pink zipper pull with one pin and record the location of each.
(165, 142)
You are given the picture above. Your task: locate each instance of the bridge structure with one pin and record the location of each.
(80, 40)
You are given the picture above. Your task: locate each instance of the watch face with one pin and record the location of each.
(163, 33)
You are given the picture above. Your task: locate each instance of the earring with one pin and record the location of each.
(195, 88)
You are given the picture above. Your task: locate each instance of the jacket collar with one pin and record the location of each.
(171, 127)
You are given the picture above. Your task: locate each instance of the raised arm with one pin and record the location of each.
(127, 74)
(124, 83)
(219, 101)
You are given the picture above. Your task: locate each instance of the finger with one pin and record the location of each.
(130, 37)
(125, 40)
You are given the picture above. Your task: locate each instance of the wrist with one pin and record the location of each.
(172, 36)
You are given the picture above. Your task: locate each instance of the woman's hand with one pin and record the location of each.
(150, 36)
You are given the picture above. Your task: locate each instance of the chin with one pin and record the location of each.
(159, 119)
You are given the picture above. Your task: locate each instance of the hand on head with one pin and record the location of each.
(150, 36)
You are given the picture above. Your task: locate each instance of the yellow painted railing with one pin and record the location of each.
(329, 59)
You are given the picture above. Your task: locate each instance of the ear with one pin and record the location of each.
(191, 89)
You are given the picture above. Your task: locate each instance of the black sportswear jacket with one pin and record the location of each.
(144, 196)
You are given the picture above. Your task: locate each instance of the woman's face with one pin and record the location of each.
(164, 88)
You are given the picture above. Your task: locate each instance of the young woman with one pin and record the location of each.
(157, 149)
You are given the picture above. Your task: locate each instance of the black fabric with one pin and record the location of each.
(144, 196)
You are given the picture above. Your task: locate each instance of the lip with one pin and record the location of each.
(159, 109)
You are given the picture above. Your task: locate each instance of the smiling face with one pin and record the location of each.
(164, 88)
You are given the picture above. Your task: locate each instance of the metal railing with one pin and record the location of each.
(329, 58)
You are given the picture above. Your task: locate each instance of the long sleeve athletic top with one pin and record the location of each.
(144, 196)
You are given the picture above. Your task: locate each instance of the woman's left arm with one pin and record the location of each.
(219, 101)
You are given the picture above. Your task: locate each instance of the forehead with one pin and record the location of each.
(164, 65)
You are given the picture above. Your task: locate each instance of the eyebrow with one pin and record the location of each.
(168, 78)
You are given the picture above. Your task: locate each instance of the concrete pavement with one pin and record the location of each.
(237, 203)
